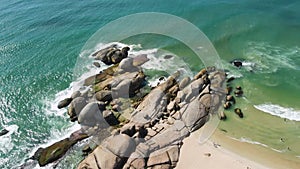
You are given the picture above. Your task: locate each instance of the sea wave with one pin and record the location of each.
(248, 140)
(276, 110)
(262, 57)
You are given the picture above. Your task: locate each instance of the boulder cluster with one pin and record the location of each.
(133, 125)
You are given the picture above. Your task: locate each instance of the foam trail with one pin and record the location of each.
(276, 110)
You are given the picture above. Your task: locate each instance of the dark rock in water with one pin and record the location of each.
(227, 105)
(229, 98)
(237, 63)
(168, 56)
(97, 64)
(222, 116)
(228, 90)
(230, 79)
(64, 103)
(57, 150)
(239, 112)
(238, 93)
(3, 132)
(239, 88)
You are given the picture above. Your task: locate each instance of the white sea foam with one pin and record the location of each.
(248, 140)
(265, 58)
(6, 143)
(276, 110)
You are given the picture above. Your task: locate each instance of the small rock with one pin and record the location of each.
(239, 112)
(168, 56)
(162, 158)
(239, 88)
(3, 132)
(97, 64)
(171, 120)
(229, 98)
(238, 93)
(237, 63)
(86, 149)
(207, 154)
(227, 105)
(64, 103)
(222, 116)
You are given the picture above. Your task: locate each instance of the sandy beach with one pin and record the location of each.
(211, 155)
(220, 152)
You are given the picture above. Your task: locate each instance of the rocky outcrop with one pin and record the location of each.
(133, 126)
(52, 153)
(171, 110)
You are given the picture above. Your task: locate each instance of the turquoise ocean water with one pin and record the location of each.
(41, 40)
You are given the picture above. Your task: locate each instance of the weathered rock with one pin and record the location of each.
(3, 132)
(173, 154)
(101, 158)
(75, 94)
(239, 112)
(91, 116)
(111, 154)
(140, 60)
(200, 74)
(121, 145)
(184, 82)
(58, 149)
(75, 107)
(64, 103)
(159, 159)
(104, 95)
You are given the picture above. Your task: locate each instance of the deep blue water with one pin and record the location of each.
(41, 40)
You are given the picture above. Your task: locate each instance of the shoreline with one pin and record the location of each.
(221, 152)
